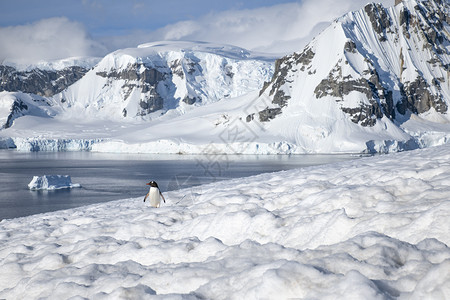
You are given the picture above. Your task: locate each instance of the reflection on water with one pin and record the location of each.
(106, 177)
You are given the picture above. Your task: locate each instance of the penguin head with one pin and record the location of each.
(153, 184)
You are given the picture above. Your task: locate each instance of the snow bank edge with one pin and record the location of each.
(166, 146)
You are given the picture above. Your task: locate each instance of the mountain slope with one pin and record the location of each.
(376, 80)
(44, 78)
(25, 89)
(356, 83)
(17, 104)
(169, 76)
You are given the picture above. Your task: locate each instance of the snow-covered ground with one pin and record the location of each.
(372, 228)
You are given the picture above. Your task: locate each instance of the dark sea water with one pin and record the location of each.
(107, 177)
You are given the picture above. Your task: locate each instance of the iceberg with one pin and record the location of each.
(52, 182)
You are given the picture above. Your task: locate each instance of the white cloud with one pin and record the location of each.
(47, 39)
(280, 28)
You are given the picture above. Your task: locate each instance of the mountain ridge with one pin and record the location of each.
(164, 76)
(375, 80)
(381, 65)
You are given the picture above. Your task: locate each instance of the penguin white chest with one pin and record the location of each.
(155, 198)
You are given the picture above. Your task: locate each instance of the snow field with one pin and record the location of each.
(372, 228)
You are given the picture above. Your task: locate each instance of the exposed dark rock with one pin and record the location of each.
(285, 64)
(177, 68)
(416, 97)
(280, 98)
(191, 66)
(265, 86)
(147, 80)
(40, 82)
(306, 57)
(350, 46)
(127, 88)
(191, 100)
(405, 17)
(379, 18)
(18, 108)
(430, 24)
(336, 86)
(282, 67)
(150, 75)
(268, 114)
(151, 103)
(229, 71)
(380, 100)
(365, 114)
(382, 96)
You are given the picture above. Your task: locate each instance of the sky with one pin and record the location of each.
(31, 31)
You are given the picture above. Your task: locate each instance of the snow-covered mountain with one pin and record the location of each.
(44, 78)
(26, 89)
(363, 77)
(160, 77)
(376, 80)
(17, 104)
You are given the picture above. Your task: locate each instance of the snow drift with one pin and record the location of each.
(372, 228)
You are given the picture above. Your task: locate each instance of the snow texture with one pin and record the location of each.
(52, 182)
(372, 228)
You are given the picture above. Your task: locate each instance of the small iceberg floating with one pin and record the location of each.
(52, 182)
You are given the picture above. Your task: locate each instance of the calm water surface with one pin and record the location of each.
(107, 177)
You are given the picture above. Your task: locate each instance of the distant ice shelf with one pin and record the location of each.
(37, 144)
(167, 146)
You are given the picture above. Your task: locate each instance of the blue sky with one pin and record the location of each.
(119, 17)
(36, 30)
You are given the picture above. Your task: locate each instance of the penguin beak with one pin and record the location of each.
(147, 183)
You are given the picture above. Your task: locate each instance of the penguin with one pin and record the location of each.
(154, 194)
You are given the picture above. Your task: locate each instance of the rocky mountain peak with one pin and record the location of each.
(39, 81)
(403, 69)
(153, 79)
